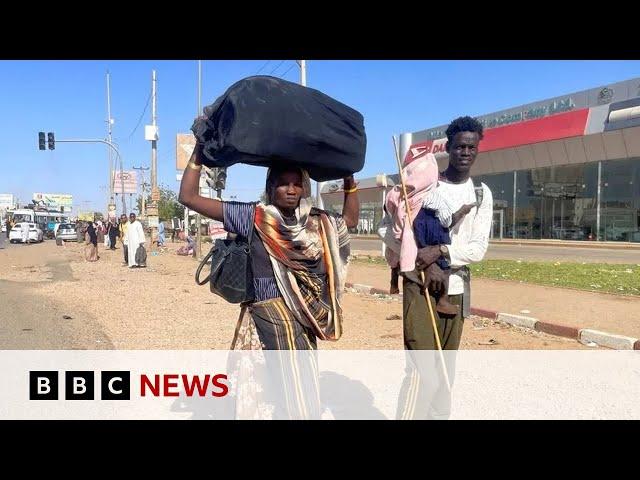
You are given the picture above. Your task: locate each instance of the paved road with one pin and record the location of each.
(537, 253)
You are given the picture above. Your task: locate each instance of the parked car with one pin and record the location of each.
(67, 232)
(35, 233)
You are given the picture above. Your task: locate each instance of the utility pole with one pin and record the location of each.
(154, 143)
(109, 137)
(124, 202)
(197, 253)
(303, 81)
(143, 201)
(152, 217)
(303, 72)
(142, 185)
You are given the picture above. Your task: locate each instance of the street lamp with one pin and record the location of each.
(303, 81)
(96, 140)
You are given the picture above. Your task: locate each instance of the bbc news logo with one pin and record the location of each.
(80, 385)
(116, 385)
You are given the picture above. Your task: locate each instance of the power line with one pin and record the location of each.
(265, 64)
(281, 76)
(140, 119)
(277, 67)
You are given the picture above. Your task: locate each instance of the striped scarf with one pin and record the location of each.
(309, 260)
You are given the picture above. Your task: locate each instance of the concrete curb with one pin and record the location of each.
(558, 330)
(518, 320)
(481, 312)
(604, 339)
(617, 342)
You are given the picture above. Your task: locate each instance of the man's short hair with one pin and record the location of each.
(464, 124)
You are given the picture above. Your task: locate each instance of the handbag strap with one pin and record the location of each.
(253, 225)
(202, 264)
(208, 255)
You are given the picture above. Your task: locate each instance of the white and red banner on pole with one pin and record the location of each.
(125, 182)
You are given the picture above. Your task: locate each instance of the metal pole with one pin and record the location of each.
(154, 157)
(513, 225)
(598, 201)
(92, 140)
(197, 253)
(303, 72)
(110, 139)
(186, 221)
(96, 140)
(384, 200)
(143, 202)
(142, 185)
(303, 82)
(553, 215)
(154, 143)
(124, 202)
(406, 139)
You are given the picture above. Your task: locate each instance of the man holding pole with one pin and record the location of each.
(469, 242)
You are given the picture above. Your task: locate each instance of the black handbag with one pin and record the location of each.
(231, 275)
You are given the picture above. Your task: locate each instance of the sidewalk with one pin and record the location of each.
(539, 243)
(569, 244)
(609, 313)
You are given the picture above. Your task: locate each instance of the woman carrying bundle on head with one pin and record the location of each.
(299, 256)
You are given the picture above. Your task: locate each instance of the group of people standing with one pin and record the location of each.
(131, 234)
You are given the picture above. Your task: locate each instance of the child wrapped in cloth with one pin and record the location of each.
(431, 218)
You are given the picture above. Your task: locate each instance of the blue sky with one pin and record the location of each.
(69, 98)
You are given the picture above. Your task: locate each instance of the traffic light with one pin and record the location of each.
(52, 141)
(41, 144)
(216, 178)
(211, 177)
(221, 178)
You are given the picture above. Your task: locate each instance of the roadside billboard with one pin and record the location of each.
(125, 182)
(54, 200)
(7, 201)
(185, 143)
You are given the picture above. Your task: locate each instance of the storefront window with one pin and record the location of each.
(620, 200)
(501, 186)
(551, 203)
(370, 209)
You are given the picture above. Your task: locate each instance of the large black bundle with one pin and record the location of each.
(269, 121)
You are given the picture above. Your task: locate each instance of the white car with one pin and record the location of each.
(35, 233)
(67, 232)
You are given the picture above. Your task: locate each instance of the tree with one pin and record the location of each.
(168, 206)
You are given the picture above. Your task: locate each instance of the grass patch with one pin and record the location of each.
(369, 260)
(596, 277)
(622, 279)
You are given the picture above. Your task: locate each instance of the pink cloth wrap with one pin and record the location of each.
(420, 177)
